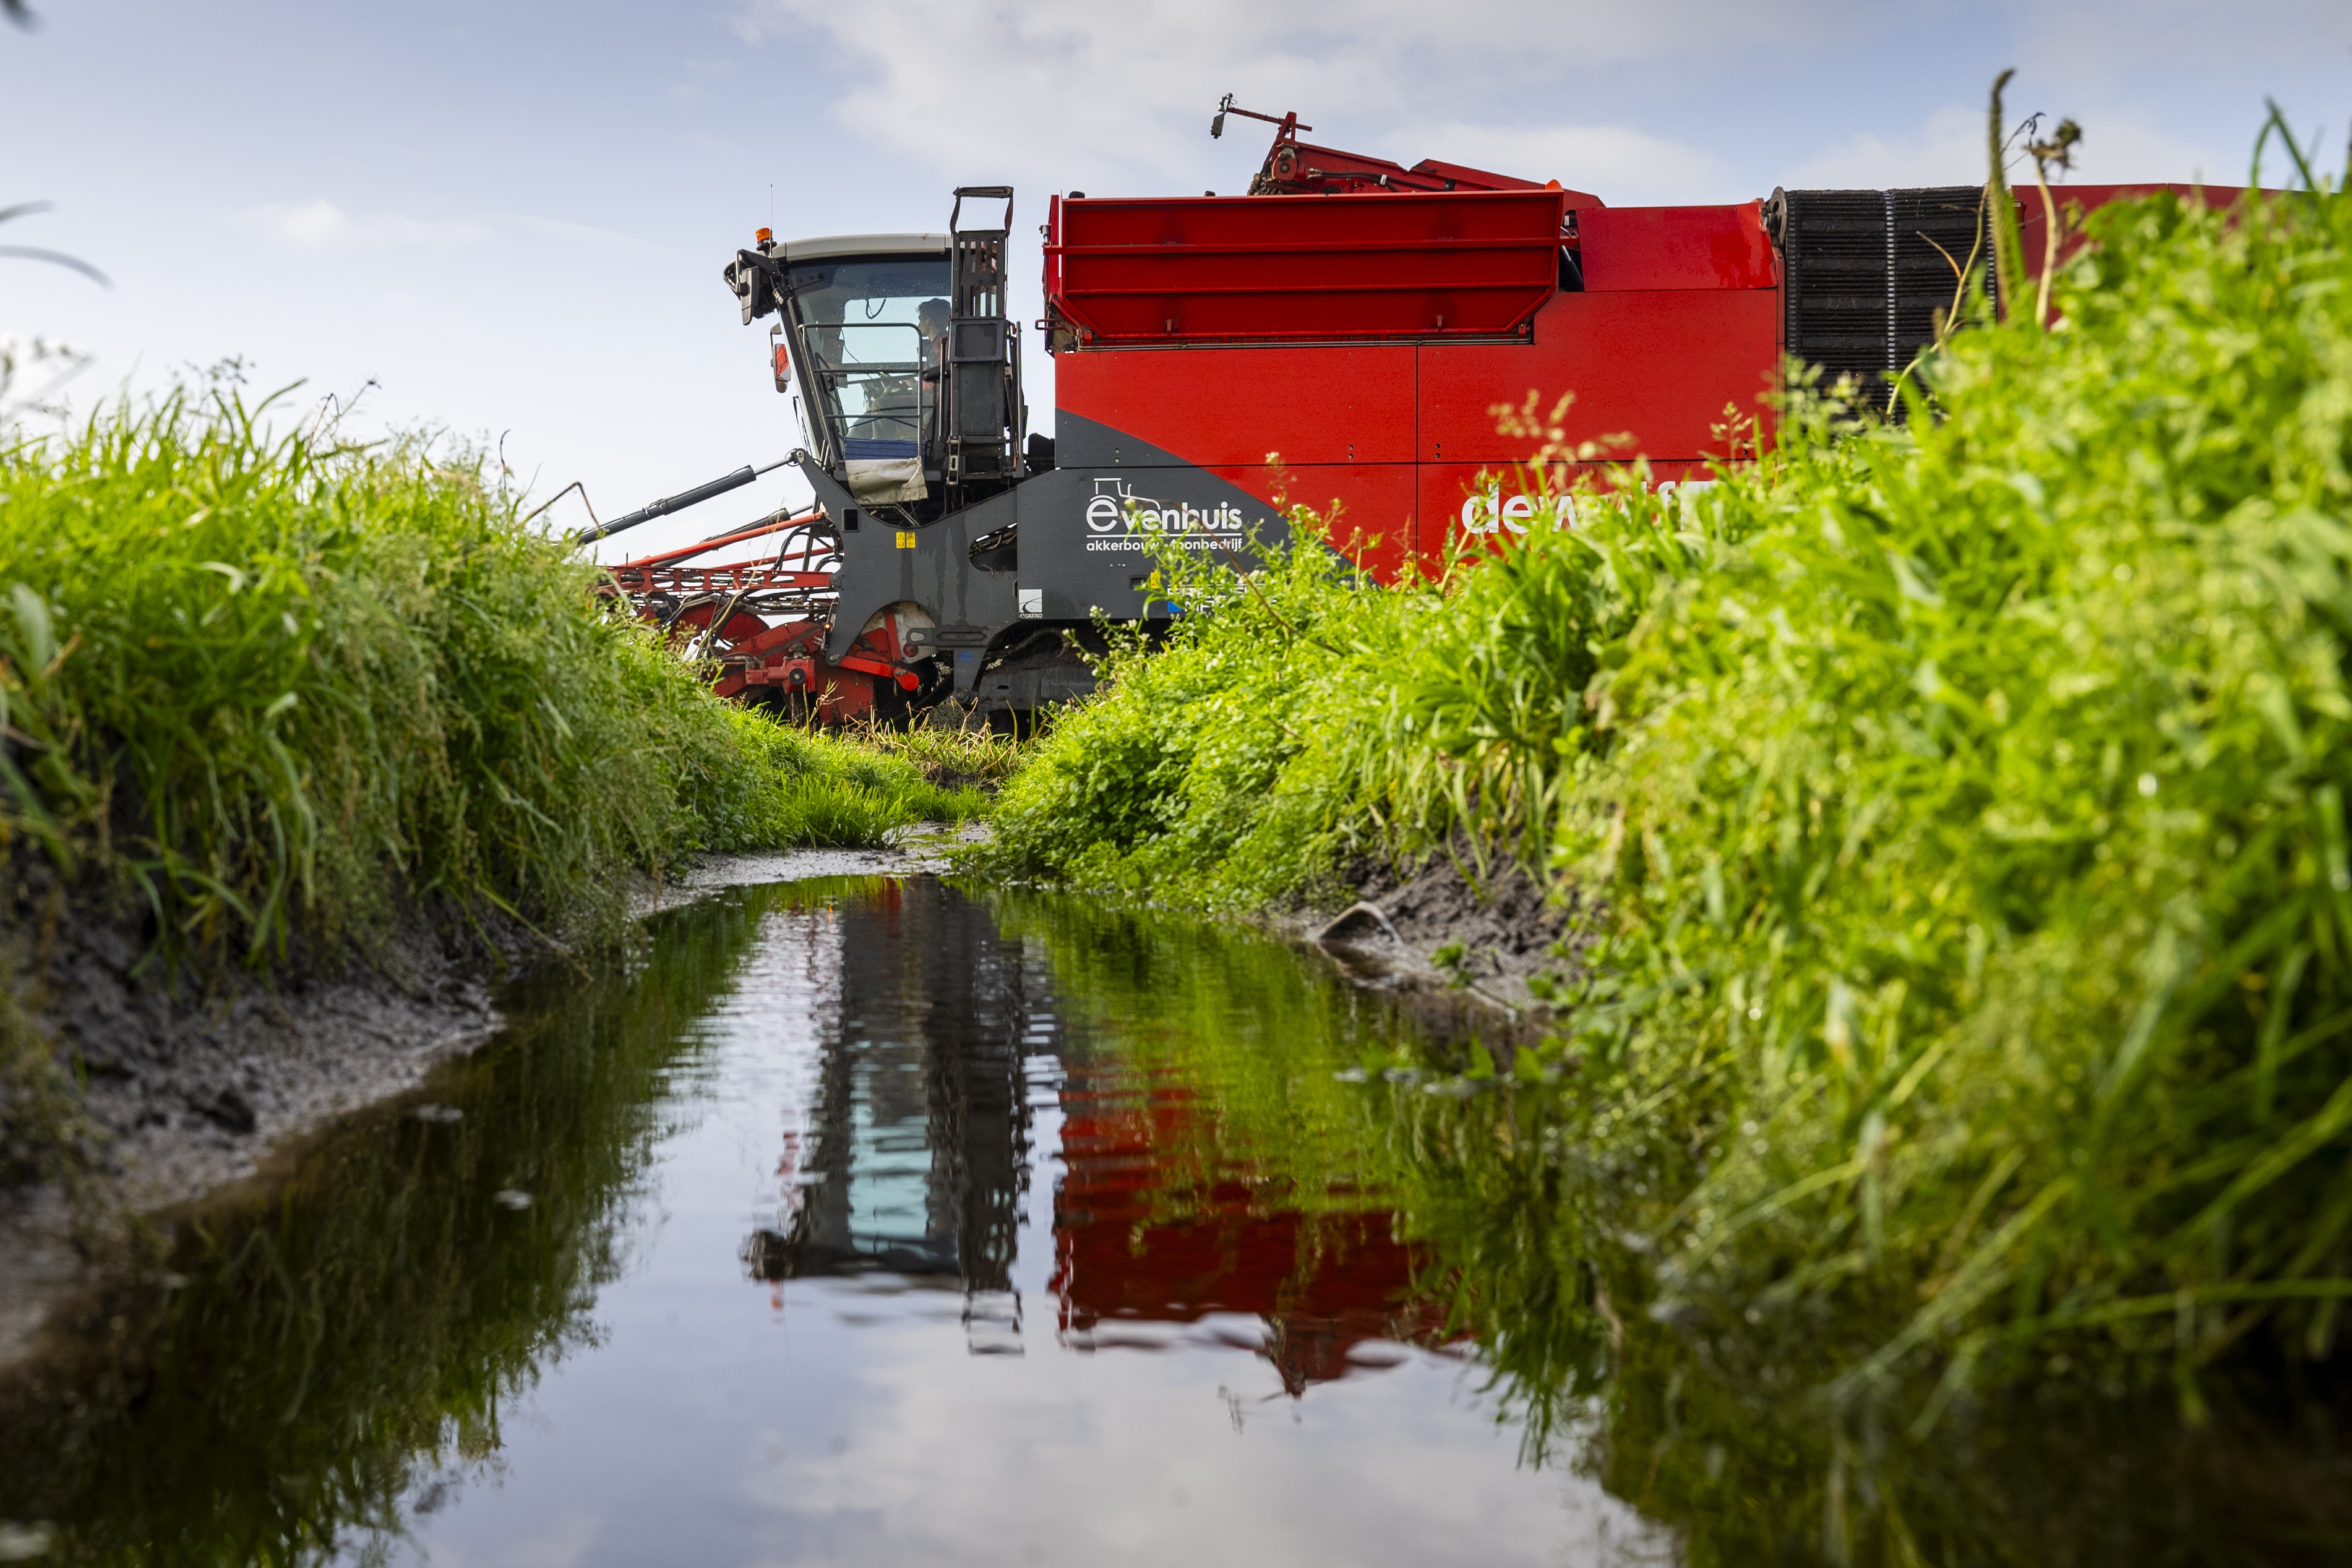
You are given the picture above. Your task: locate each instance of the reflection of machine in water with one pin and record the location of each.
(915, 1160)
(1140, 1237)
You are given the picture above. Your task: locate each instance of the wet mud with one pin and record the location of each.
(188, 1087)
(1468, 951)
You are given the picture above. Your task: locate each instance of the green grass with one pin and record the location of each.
(803, 787)
(1964, 803)
(951, 757)
(274, 688)
(273, 683)
(1220, 770)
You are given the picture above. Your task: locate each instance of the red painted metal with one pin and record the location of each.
(1223, 405)
(1398, 436)
(1274, 268)
(746, 575)
(1676, 247)
(774, 524)
(1501, 499)
(1300, 168)
(1369, 506)
(1293, 167)
(907, 679)
(693, 626)
(748, 653)
(1658, 365)
(802, 564)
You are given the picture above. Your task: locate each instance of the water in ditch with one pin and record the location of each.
(876, 1222)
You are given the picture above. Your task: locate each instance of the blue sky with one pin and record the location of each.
(512, 216)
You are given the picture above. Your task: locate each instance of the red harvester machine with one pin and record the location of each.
(1357, 318)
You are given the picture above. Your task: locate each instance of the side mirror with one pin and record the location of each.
(749, 276)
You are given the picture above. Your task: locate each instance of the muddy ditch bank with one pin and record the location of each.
(187, 1097)
(186, 1100)
(1464, 954)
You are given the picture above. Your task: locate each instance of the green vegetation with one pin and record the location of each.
(277, 682)
(269, 688)
(1231, 766)
(1963, 799)
(793, 787)
(955, 758)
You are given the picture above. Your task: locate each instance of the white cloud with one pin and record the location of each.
(1622, 166)
(2113, 36)
(2115, 150)
(997, 89)
(1063, 93)
(320, 224)
(1948, 149)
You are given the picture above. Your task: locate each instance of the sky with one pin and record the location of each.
(506, 221)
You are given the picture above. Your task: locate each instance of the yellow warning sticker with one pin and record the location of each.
(906, 539)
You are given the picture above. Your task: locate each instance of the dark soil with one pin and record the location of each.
(183, 1082)
(1468, 948)
(1505, 926)
(172, 1080)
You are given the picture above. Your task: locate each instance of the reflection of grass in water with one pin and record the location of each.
(1718, 1433)
(375, 1319)
(1252, 1026)
(1531, 1209)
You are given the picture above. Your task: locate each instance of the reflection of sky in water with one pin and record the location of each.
(842, 1413)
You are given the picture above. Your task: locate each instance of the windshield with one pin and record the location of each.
(870, 329)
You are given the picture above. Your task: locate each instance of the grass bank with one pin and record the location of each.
(1963, 802)
(262, 691)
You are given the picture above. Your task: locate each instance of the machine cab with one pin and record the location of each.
(866, 320)
(898, 349)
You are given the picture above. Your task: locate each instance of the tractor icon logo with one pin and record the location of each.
(1115, 504)
(1105, 511)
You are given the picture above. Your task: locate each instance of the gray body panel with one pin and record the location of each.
(1085, 531)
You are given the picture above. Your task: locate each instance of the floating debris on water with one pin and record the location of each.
(438, 1114)
(512, 1198)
